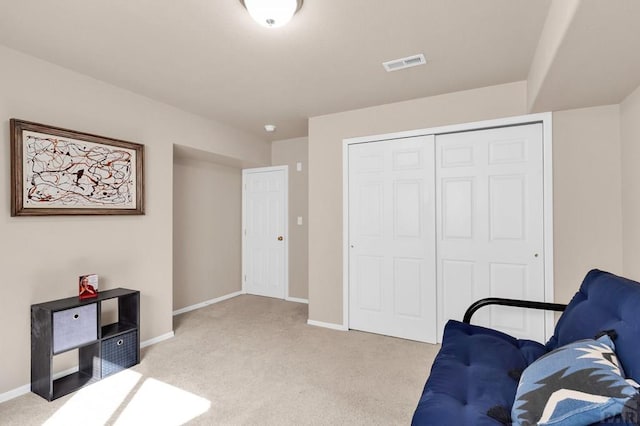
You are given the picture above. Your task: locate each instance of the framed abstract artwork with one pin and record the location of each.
(57, 171)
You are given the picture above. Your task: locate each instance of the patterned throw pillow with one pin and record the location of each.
(577, 384)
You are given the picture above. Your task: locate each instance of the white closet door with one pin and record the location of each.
(490, 226)
(392, 238)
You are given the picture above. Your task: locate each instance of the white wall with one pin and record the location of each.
(326, 134)
(630, 135)
(290, 152)
(587, 198)
(207, 226)
(587, 182)
(41, 257)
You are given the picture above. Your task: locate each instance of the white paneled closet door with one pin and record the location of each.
(392, 277)
(490, 227)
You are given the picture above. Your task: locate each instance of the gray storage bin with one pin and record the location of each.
(119, 353)
(74, 327)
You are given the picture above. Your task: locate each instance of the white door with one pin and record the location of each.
(264, 212)
(490, 226)
(392, 238)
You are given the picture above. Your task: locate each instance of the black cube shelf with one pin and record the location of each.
(73, 323)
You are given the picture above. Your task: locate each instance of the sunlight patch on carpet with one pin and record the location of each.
(95, 404)
(159, 403)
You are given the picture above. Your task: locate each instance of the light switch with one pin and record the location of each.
(299, 166)
(299, 220)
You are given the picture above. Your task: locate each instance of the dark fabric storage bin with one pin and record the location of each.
(119, 352)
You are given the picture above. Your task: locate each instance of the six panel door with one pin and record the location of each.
(392, 238)
(265, 223)
(490, 226)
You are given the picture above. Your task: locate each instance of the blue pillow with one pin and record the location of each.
(577, 384)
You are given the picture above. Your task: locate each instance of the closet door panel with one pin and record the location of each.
(490, 225)
(392, 238)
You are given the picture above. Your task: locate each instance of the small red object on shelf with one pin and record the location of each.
(88, 286)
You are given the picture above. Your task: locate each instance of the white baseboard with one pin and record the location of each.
(207, 303)
(158, 339)
(25, 389)
(332, 326)
(14, 393)
(297, 300)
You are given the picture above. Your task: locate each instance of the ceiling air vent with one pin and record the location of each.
(402, 63)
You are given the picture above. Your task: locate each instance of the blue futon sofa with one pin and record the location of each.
(478, 369)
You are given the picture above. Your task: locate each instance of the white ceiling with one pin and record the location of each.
(210, 58)
(598, 58)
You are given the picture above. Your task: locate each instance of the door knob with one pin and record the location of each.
(280, 238)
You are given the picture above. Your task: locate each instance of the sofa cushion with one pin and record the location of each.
(471, 374)
(576, 384)
(604, 302)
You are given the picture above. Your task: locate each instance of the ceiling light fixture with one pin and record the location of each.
(272, 13)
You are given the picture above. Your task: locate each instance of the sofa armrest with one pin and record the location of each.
(511, 302)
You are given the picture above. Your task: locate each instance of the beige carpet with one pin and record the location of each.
(249, 361)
